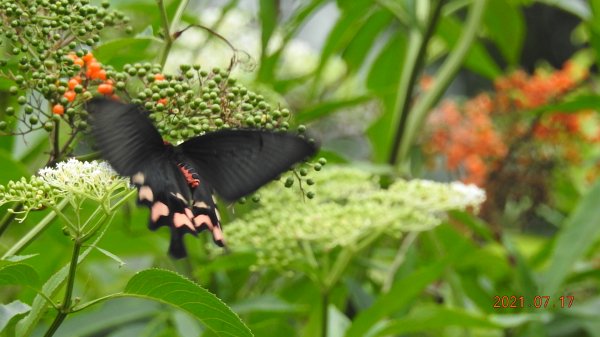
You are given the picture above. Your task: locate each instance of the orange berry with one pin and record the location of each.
(162, 101)
(159, 77)
(70, 95)
(89, 57)
(58, 109)
(105, 89)
(73, 83)
(94, 67)
(101, 74)
(78, 62)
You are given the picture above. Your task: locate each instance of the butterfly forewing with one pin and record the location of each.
(238, 162)
(124, 135)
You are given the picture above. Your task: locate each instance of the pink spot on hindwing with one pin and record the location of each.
(158, 209)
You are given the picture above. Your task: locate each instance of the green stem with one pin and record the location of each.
(169, 29)
(35, 231)
(445, 76)
(398, 260)
(414, 63)
(167, 33)
(66, 305)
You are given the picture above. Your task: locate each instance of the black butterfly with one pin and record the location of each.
(177, 182)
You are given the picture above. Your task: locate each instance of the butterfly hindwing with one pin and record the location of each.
(238, 162)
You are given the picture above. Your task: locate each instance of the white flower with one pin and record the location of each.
(86, 179)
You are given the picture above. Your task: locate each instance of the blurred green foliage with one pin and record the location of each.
(359, 92)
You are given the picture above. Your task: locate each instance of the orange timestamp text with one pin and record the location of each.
(537, 302)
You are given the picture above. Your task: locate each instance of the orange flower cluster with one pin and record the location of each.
(91, 69)
(467, 139)
(519, 91)
(471, 141)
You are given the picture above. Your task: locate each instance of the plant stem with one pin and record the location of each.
(445, 76)
(66, 305)
(414, 64)
(324, 312)
(398, 260)
(35, 231)
(167, 33)
(168, 29)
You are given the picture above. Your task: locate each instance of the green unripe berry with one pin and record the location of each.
(289, 182)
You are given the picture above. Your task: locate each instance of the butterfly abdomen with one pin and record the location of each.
(190, 175)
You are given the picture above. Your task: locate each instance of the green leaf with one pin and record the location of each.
(577, 235)
(402, 293)
(10, 311)
(18, 274)
(112, 314)
(477, 59)
(360, 46)
(575, 104)
(268, 19)
(431, 318)
(11, 169)
(171, 288)
(329, 107)
(506, 27)
(383, 80)
(266, 303)
(345, 29)
(119, 52)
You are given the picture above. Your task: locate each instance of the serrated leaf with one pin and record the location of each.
(18, 274)
(171, 288)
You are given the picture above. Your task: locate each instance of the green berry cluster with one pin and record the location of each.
(42, 36)
(196, 101)
(32, 194)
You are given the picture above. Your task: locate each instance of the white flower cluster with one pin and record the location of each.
(86, 179)
(349, 206)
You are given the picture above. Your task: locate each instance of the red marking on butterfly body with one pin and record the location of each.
(190, 176)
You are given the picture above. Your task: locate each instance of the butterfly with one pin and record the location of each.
(177, 182)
